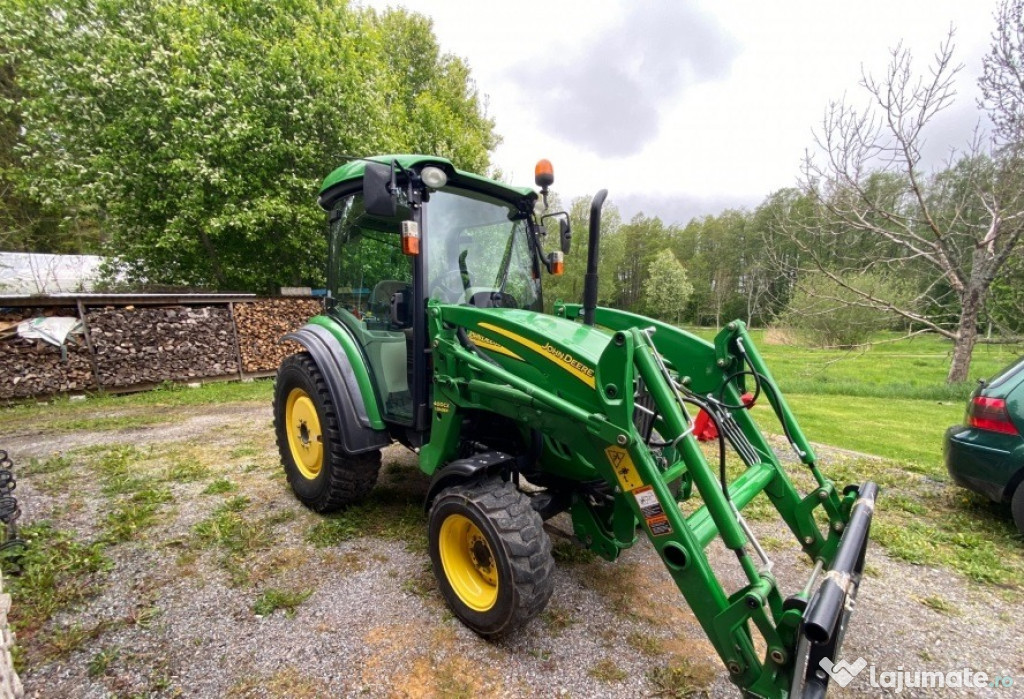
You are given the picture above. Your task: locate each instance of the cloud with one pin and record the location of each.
(606, 95)
(680, 209)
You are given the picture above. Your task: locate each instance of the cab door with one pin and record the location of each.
(371, 292)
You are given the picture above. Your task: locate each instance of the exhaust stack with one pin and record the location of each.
(590, 279)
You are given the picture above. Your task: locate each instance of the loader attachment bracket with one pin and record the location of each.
(829, 610)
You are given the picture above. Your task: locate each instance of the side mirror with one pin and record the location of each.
(564, 235)
(564, 230)
(378, 198)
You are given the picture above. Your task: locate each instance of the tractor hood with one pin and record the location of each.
(552, 351)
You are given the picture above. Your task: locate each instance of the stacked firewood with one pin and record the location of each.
(167, 343)
(261, 324)
(36, 368)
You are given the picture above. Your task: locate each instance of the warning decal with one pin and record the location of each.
(659, 526)
(625, 471)
(648, 502)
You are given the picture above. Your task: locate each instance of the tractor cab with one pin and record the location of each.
(407, 230)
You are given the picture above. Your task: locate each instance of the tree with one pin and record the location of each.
(666, 288)
(876, 210)
(197, 133)
(642, 238)
(829, 314)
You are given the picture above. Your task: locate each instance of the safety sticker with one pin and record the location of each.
(625, 471)
(648, 502)
(659, 526)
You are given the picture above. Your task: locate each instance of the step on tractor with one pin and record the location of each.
(434, 335)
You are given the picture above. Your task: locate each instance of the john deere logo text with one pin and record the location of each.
(569, 360)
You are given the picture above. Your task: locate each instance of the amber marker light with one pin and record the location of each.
(410, 238)
(557, 263)
(544, 174)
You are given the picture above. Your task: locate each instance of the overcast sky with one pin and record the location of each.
(682, 109)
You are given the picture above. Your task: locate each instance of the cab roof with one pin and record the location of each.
(353, 170)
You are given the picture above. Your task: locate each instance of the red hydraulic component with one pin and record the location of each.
(704, 427)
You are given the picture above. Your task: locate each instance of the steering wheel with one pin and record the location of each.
(449, 287)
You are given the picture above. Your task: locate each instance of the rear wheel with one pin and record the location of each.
(491, 556)
(1017, 507)
(322, 475)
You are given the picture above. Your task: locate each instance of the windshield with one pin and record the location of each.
(479, 252)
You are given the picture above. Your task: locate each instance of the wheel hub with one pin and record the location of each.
(468, 562)
(305, 437)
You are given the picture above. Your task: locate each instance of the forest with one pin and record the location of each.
(185, 140)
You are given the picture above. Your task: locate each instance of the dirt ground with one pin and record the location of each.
(182, 609)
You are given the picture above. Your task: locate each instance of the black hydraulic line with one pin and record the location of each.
(590, 278)
(469, 345)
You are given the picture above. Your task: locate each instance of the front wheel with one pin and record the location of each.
(491, 556)
(323, 477)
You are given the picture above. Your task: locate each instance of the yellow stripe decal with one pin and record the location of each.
(492, 346)
(562, 359)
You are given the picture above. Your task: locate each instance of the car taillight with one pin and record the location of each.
(990, 414)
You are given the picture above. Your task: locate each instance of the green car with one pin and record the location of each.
(986, 455)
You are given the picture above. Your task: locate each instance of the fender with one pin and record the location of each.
(462, 470)
(361, 431)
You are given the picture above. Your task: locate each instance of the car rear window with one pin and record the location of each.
(1008, 374)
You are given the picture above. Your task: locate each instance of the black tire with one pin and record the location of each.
(322, 475)
(1017, 507)
(510, 548)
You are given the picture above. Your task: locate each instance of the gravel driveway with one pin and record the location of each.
(177, 617)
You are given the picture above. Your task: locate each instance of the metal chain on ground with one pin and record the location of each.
(9, 509)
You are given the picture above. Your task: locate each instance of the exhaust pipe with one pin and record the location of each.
(590, 279)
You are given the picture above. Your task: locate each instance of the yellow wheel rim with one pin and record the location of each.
(468, 562)
(305, 438)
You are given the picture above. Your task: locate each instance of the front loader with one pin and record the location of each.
(434, 336)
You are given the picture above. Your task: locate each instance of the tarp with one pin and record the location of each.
(52, 329)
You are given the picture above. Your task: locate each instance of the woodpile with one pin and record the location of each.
(133, 346)
(261, 324)
(33, 367)
(165, 343)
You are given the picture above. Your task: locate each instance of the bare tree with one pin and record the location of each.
(950, 231)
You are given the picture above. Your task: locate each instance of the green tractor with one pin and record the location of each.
(434, 336)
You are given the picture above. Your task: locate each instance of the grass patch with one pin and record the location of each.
(115, 422)
(54, 464)
(607, 671)
(127, 520)
(380, 516)
(940, 605)
(226, 528)
(571, 553)
(273, 599)
(187, 471)
(645, 643)
(100, 662)
(221, 485)
(57, 572)
(680, 678)
(930, 523)
(557, 619)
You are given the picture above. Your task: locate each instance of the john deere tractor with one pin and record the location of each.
(435, 336)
